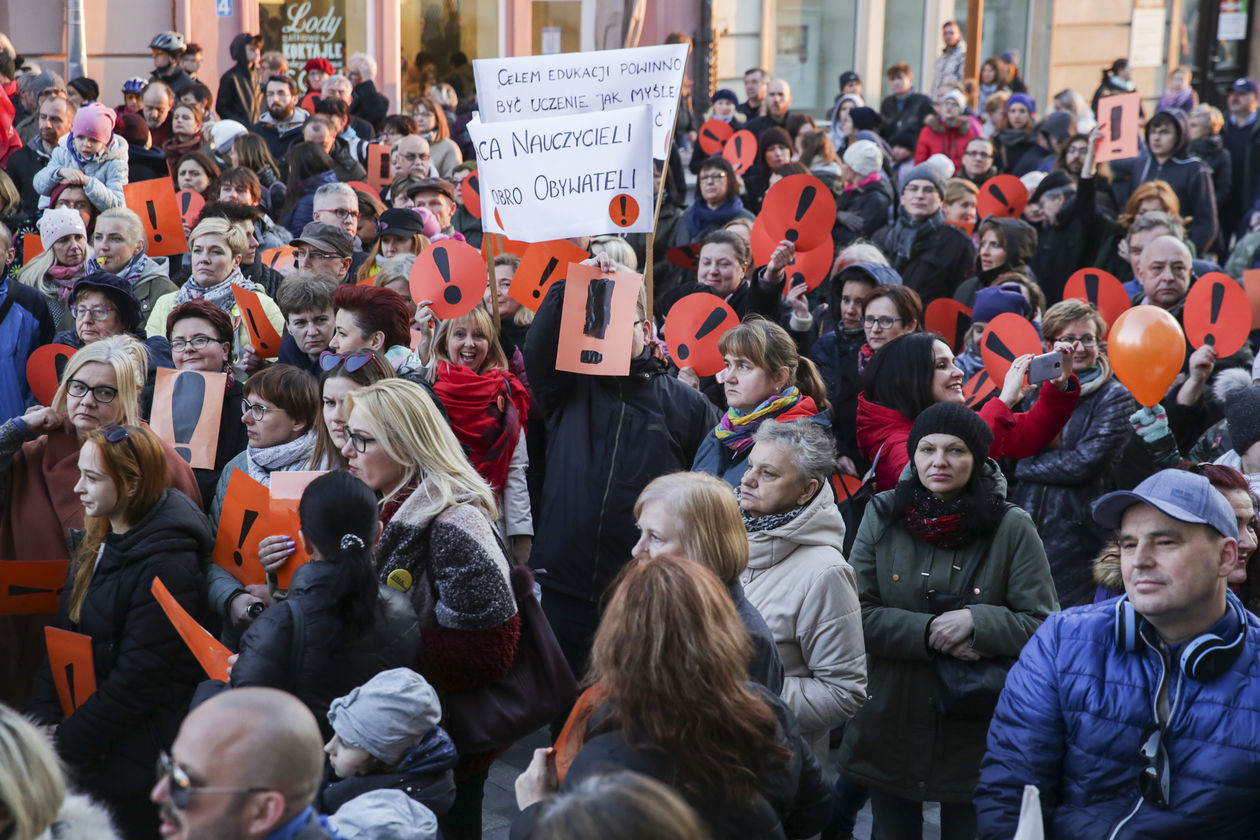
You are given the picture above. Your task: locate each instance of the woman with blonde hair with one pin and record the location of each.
(399, 232)
(765, 378)
(136, 530)
(63, 262)
(694, 515)
(514, 317)
(440, 546)
(343, 374)
(670, 698)
(34, 801)
(617, 249)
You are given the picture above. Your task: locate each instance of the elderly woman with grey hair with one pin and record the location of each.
(798, 579)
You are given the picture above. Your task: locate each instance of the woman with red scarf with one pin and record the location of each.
(487, 406)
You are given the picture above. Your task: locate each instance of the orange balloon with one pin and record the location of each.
(1146, 347)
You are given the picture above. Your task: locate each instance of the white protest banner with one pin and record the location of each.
(566, 176)
(527, 87)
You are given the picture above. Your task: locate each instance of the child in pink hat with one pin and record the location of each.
(90, 156)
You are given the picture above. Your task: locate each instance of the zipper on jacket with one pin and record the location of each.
(1159, 689)
(603, 505)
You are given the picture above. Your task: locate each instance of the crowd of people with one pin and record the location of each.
(834, 546)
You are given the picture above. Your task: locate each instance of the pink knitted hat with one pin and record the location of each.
(57, 223)
(94, 120)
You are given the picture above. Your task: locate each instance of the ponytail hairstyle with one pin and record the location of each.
(768, 346)
(338, 518)
(134, 460)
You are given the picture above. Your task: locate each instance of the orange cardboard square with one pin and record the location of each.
(154, 202)
(187, 408)
(379, 174)
(262, 335)
(597, 321)
(73, 673)
(543, 264)
(1118, 117)
(31, 586)
(243, 523)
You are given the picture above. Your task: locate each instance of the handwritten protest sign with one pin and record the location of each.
(528, 87)
(565, 176)
(187, 408)
(597, 321)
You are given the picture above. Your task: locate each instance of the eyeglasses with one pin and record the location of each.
(713, 176)
(100, 393)
(343, 214)
(1154, 778)
(95, 313)
(360, 442)
(196, 342)
(309, 254)
(412, 157)
(328, 360)
(258, 410)
(181, 787)
(1085, 340)
(883, 322)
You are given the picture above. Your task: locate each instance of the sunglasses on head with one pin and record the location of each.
(328, 360)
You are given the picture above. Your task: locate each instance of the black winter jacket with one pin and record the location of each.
(23, 165)
(367, 104)
(607, 437)
(145, 674)
(794, 802)
(862, 211)
(1212, 151)
(909, 117)
(240, 96)
(332, 662)
(939, 260)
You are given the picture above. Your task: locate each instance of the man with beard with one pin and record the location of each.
(56, 114)
(281, 126)
(245, 766)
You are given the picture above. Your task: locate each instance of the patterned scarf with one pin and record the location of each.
(283, 457)
(944, 524)
(219, 294)
(735, 430)
(768, 522)
(64, 277)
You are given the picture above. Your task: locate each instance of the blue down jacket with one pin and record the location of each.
(1070, 720)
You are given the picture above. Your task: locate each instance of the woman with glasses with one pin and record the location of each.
(440, 546)
(914, 372)
(765, 379)
(718, 202)
(216, 247)
(1057, 485)
(432, 125)
(341, 376)
(136, 530)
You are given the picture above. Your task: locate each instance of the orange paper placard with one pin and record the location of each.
(262, 335)
(1102, 289)
(70, 660)
(379, 174)
(243, 523)
(543, 264)
(686, 257)
(950, 320)
(1003, 196)
(32, 246)
(470, 192)
(212, 656)
(1118, 118)
(1007, 337)
(43, 370)
(282, 258)
(1251, 285)
(187, 407)
(286, 493)
(31, 586)
(809, 267)
(763, 243)
(154, 202)
(362, 186)
(190, 206)
(800, 209)
(597, 321)
(741, 150)
(713, 136)
(1217, 312)
(452, 275)
(693, 328)
(979, 388)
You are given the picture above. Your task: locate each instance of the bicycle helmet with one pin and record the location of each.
(134, 85)
(171, 42)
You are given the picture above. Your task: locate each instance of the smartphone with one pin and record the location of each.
(1045, 367)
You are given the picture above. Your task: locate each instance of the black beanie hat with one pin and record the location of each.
(1242, 412)
(951, 418)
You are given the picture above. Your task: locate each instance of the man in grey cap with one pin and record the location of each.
(1139, 716)
(325, 249)
(438, 197)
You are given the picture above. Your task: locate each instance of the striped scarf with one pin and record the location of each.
(735, 430)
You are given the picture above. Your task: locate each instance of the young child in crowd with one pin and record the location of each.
(387, 738)
(133, 96)
(90, 156)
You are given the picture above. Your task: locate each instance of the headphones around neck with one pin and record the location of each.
(1203, 659)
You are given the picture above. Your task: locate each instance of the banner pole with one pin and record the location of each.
(649, 256)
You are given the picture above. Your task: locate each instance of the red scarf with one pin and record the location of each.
(487, 412)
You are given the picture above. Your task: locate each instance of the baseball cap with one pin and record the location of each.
(436, 185)
(1243, 85)
(1182, 495)
(331, 239)
(848, 77)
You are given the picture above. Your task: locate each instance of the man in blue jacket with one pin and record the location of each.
(1139, 717)
(24, 325)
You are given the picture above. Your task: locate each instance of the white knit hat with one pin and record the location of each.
(863, 157)
(942, 164)
(58, 223)
(223, 133)
(958, 96)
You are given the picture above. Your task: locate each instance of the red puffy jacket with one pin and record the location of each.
(937, 137)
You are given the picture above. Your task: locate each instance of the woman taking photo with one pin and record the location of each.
(669, 673)
(354, 625)
(63, 261)
(342, 375)
(1057, 485)
(441, 547)
(797, 577)
(945, 527)
(765, 378)
(914, 372)
(136, 529)
(693, 515)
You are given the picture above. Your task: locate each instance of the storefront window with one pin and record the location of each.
(305, 29)
(903, 27)
(813, 44)
(440, 38)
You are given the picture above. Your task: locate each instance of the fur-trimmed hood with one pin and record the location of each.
(80, 818)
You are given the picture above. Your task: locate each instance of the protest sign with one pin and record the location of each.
(565, 176)
(800, 209)
(154, 202)
(693, 328)
(70, 660)
(187, 408)
(262, 333)
(1100, 288)
(451, 275)
(43, 370)
(240, 530)
(949, 319)
(528, 87)
(1003, 196)
(1217, 312)
(210, 654)
(597, 321)
(31, 586)
(1119, 117)
(1007, 337)
(282, 258)
(378, 167)
(286, 495)
(190, 206)
(543, 264)
(32, 246)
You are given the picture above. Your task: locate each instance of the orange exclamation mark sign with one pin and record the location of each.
(152, 211)
(623, 210)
